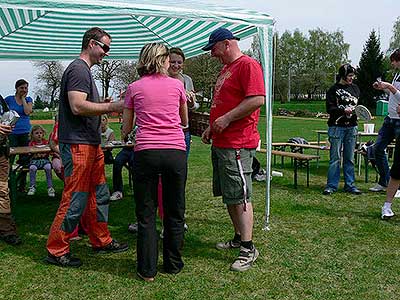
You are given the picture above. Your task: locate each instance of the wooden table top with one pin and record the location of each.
(30, 149)
(46, 148)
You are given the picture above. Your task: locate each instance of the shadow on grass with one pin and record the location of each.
(34, 215)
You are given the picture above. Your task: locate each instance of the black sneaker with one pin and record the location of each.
(354, 191)
(12, 239)
(327, 192)
(113, 247)
(63, 261)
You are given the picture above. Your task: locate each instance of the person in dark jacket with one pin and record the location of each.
(341, 99)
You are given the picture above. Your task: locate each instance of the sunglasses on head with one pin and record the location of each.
(103, 46)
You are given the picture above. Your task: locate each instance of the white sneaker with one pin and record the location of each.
(245, 259)
(51, 192)
(31, 191)
(397, 194)
(133, 227)
(377, 188)
(387, 213)
(116, 196)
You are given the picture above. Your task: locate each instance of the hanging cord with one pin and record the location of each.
(240, 167)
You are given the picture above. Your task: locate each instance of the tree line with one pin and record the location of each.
(305, 66)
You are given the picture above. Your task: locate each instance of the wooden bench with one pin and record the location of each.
(299, 160)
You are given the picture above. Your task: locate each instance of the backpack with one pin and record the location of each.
(297, 140)
(368, 151)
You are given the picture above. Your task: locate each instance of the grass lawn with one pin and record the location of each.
(319, 247)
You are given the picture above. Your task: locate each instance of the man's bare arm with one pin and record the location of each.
(81, 107)
(245, 108)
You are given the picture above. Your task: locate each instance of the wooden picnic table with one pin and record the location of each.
(359, 138)
(299, 159)
(29, 150)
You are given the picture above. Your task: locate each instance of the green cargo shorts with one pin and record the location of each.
(227, 181)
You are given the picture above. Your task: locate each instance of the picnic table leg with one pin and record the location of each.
(295, 173)
(12, 185)
(308, 172)
(319, 144)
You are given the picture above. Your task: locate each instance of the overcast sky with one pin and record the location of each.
(355, 18)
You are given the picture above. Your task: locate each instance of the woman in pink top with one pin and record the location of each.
(161, 111)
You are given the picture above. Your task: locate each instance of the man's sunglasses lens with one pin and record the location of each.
(103, 46)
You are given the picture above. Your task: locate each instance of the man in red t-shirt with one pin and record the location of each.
(239, 92)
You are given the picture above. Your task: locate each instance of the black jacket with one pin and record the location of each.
(339, 97)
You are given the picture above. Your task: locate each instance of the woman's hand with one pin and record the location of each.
(5, 129)
(191, 99)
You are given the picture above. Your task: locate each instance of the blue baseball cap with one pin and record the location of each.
(220, 34)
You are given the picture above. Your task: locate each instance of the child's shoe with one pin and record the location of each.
(50, 191)
(32, 191)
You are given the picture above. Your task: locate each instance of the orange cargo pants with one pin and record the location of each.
(85, 185)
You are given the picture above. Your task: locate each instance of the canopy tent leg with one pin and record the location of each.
(265, 34)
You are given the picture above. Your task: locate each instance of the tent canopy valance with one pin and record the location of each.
(53, 29)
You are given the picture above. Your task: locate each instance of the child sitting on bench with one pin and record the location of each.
(39, 161)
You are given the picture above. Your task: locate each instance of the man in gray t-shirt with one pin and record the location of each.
(82, 156)
(78, 129)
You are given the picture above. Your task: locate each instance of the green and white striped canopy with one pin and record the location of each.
(53, 29)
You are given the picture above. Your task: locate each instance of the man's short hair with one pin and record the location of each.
(95, 33)
(395, 56)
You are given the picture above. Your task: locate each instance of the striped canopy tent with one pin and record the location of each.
(53, 30)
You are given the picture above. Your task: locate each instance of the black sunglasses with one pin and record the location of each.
(103, 46)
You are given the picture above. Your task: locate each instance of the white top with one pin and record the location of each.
(105, 136)
(394, 99)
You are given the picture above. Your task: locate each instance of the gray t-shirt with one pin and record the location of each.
(75, 129)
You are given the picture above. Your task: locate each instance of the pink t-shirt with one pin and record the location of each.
(156, 100)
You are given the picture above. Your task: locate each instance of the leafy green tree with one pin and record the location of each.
(289, 64)
(204, 71)
(395, 40)
(370, 68)
(38, 103)
(325, 52)
(305, 65)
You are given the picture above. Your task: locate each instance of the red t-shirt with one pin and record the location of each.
(238, 80)
(39, 155)
(54, 134)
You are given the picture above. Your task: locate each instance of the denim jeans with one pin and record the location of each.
(341, 138)
(188, 138)
(124, 156)
(388, 132)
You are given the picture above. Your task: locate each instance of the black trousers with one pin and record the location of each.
(172, 166)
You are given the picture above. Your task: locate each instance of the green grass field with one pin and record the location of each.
(319, 247)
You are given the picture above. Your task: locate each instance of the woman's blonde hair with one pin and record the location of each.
(34, 128)
(152, 58)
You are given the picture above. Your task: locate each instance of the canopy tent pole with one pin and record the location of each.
(265, 34)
